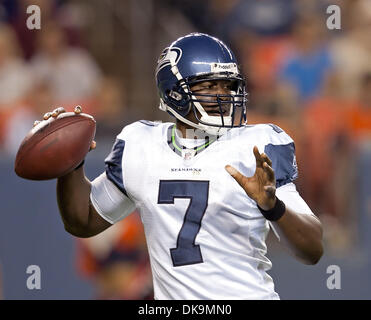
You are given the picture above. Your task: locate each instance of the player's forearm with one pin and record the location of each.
(73, 192)
(302, 234)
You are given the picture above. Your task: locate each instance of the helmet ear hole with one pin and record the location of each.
(175, 95)
(179, 101)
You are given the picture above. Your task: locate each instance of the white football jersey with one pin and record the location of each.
(205, 236)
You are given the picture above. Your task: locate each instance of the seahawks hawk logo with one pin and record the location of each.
(168, 57)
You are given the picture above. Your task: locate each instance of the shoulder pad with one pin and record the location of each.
(149, 123)
(133, 128)
(276, 135)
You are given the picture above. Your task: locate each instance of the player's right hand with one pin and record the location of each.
(58, 111)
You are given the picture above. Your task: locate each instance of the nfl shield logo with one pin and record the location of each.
(188, 154)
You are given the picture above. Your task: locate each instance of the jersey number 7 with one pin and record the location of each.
(186, 252)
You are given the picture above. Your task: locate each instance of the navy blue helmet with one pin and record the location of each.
(192, 59)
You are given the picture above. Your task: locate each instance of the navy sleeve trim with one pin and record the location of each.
(283, 162)
(113, 165)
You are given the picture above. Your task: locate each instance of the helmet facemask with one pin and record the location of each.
(217, 111)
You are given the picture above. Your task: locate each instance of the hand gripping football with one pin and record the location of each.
(55, 147)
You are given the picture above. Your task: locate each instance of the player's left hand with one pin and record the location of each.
(261, 187)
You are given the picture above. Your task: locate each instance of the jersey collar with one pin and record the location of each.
(183, 151)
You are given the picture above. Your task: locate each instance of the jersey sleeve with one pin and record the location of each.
(110, 203)
(281, 150)
(109, 195)
(292, 199)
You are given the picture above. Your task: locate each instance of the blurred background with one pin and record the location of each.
(313, 82)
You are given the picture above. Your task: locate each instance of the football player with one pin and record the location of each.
(208, 188)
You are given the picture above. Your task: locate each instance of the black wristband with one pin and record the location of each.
(276, 212)
(80, 165)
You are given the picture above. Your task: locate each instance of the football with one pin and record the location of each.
(55, 146)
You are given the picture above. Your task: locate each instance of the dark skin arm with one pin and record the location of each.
(73, 195)
(300, 233)
(78, 214)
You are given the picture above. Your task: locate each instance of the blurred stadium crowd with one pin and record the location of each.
(313, 82)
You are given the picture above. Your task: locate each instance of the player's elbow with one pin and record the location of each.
(315, 245)
(318, 255)
(78, 232)
(313, 257)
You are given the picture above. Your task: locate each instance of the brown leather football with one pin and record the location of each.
(55, 146)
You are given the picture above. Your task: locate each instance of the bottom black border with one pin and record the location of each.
(180, 309)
